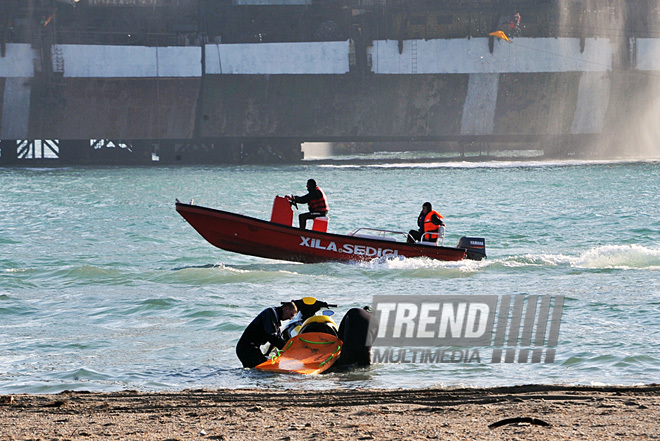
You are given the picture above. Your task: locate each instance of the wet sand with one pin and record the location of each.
(525, 412)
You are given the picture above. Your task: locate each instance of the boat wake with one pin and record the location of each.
(221, 273)
(620, 257)
(424, 264)
(490, 164)
(602, 257)
(626, 257)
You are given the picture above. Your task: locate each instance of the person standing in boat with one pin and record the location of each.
(265, 328)
(315, 199)
(429, 221)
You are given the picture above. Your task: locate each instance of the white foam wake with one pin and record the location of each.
(602, 257)
(619, 257)
(493, 164)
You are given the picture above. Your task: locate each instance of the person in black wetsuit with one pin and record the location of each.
(264, 328)
(357, 330)
(315, 199)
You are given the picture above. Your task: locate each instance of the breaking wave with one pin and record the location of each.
(492, 164)
(619, 257)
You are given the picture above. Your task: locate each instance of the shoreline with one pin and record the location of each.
(528, 411)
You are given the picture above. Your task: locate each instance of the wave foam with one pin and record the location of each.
(602, 257)
(619, 257)
(491, 163)
(536, 260)
(424, 263)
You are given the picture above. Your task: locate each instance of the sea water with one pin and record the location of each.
(104, 287)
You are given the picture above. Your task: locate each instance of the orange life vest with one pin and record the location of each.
(430, 227)
(319, 204)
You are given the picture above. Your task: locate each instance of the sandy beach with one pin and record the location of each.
(524, 412)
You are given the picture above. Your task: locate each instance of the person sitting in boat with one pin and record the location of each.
(264, 328)
(315, 199)
(357, 330)
(429, 221)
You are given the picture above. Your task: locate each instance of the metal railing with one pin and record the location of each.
(375, 233)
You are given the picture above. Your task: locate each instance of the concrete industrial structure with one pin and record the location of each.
(256, 102)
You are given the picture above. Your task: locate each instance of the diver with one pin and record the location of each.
(264, 328)
(429, 221)
(315, 199)
(357, 330)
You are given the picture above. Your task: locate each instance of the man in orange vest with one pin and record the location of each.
(315, 199)
(429, 221)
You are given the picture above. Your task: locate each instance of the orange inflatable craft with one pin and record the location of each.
(308, 353)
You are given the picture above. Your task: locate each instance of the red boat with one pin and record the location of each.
(278, 239)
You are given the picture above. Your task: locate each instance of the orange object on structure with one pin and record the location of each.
(282, 212)
(52, 16)
(308, 353)
(499, 34)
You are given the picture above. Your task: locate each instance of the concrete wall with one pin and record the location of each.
(593, 101)
(272, 2)
(458, 56)
(648, 54)
(536, 103)
(480, 104)
(16, 72)
(15, 116)
(313, 106)
(424, 88)
(278, 58)
(18, 61)
(92, 108)
(87, 61)
(463, 56)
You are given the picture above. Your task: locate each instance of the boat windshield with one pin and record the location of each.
(374, 233)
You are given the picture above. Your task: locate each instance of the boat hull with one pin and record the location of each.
(255, 237)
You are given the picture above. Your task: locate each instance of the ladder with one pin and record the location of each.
(413, 56)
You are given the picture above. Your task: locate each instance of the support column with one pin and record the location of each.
(479, 108)
(15, 109)
(592, 103)
(8, 152)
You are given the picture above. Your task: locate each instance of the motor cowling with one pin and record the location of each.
(319, 323)
(475, 246)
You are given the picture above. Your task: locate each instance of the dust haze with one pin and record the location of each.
(632, 120)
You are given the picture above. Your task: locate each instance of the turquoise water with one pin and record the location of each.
(103, 286)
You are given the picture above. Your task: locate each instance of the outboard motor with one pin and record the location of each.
(475, 246)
